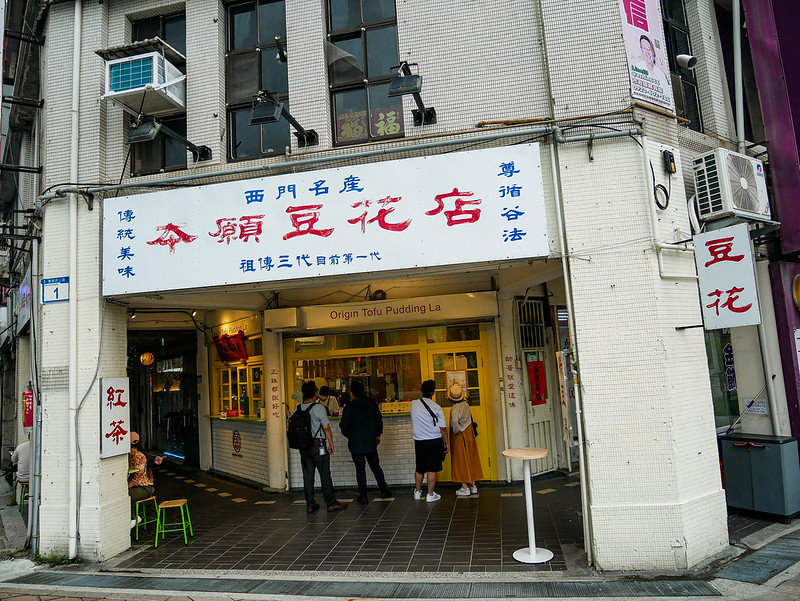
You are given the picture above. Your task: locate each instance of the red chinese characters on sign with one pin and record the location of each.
(249, 226)
(636, 13)
(720, 250)
(114, 416)
(114, 397)
(27, 409)
(729, 302)
(231, 348)
(304, 219)
(172, 235)
(459, 215)
(380, 218)
(116, 431)
(537, 382)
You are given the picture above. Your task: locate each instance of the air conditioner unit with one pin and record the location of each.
(146, 83)
(727, 184)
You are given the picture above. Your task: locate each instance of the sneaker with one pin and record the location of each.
(417, 495)
(337, 506)
(363, 500)
(474, 490)
(133, 523)
(434, 496)
(462, 492)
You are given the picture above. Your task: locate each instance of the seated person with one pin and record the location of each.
(140, 482)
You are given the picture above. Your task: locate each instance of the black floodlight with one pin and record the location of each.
(265, 110)
(408, 83)
(268, 110)
(148, 130)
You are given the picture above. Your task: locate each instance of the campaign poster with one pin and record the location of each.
(648, 65)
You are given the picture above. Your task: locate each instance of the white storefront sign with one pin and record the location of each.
(408, 311)
(450, 209)
(114, 417)
(648, 66)
(728, 292)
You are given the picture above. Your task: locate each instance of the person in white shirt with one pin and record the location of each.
(429, 429)
(21, 457)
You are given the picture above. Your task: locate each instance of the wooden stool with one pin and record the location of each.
(163, 526)
(22, 496)
(140, 514)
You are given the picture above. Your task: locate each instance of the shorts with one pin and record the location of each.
(429, 455)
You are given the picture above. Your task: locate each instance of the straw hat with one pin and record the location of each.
(456, 393)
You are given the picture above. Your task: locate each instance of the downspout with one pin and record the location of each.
(562, 237)
(73, 276)
(737, 75)
(36, 438)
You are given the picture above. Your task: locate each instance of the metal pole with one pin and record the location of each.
(737, 75)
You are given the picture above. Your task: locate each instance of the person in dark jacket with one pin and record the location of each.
(362, 425)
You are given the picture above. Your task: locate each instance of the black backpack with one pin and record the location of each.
(298, 430)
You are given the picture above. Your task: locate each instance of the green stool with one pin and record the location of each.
(23, 495)
(141, 517)
(163, 526)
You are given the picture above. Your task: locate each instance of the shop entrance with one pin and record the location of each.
(162, 368)
(392, 364)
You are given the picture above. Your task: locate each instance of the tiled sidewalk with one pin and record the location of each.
(240, 528)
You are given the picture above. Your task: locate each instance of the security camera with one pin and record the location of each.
(686, 61)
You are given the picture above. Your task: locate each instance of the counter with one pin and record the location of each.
(396, 452)
(239, 448)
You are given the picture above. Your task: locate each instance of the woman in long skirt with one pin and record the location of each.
(465, 463)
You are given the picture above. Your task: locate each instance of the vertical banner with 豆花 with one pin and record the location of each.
(114, 417)
(728, 293)
(648, 65)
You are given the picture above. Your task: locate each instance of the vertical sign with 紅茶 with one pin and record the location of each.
(114, 417)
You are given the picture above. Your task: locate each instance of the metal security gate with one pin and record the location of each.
(531, 326)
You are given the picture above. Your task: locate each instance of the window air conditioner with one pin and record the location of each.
(730, 184)
(146, 83)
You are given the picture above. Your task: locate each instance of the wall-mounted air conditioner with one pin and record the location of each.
(727, 184)
(146, 83)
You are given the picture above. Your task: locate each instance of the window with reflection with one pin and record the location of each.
(256, 30)
(163, 153)
(684, 82)
(361, 51)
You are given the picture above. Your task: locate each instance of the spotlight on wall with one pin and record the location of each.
(194, 312)
(133, 313)
(146, 129)
(268, 110)
(408, 83)
(686, 61)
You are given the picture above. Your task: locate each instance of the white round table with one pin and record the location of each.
(531, 553)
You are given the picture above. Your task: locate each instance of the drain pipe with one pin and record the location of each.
(737, 74)
(72, 471)
(562, 238)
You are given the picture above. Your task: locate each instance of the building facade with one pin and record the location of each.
(510, 226)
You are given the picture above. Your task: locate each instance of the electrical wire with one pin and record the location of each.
(657, 187)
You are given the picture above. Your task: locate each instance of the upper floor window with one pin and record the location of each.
(361, 51)
(684, 82)
(256, 35)
(163, 153)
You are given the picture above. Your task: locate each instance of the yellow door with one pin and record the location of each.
(464, 365)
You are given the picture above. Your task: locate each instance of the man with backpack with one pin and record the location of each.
(310, 433)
